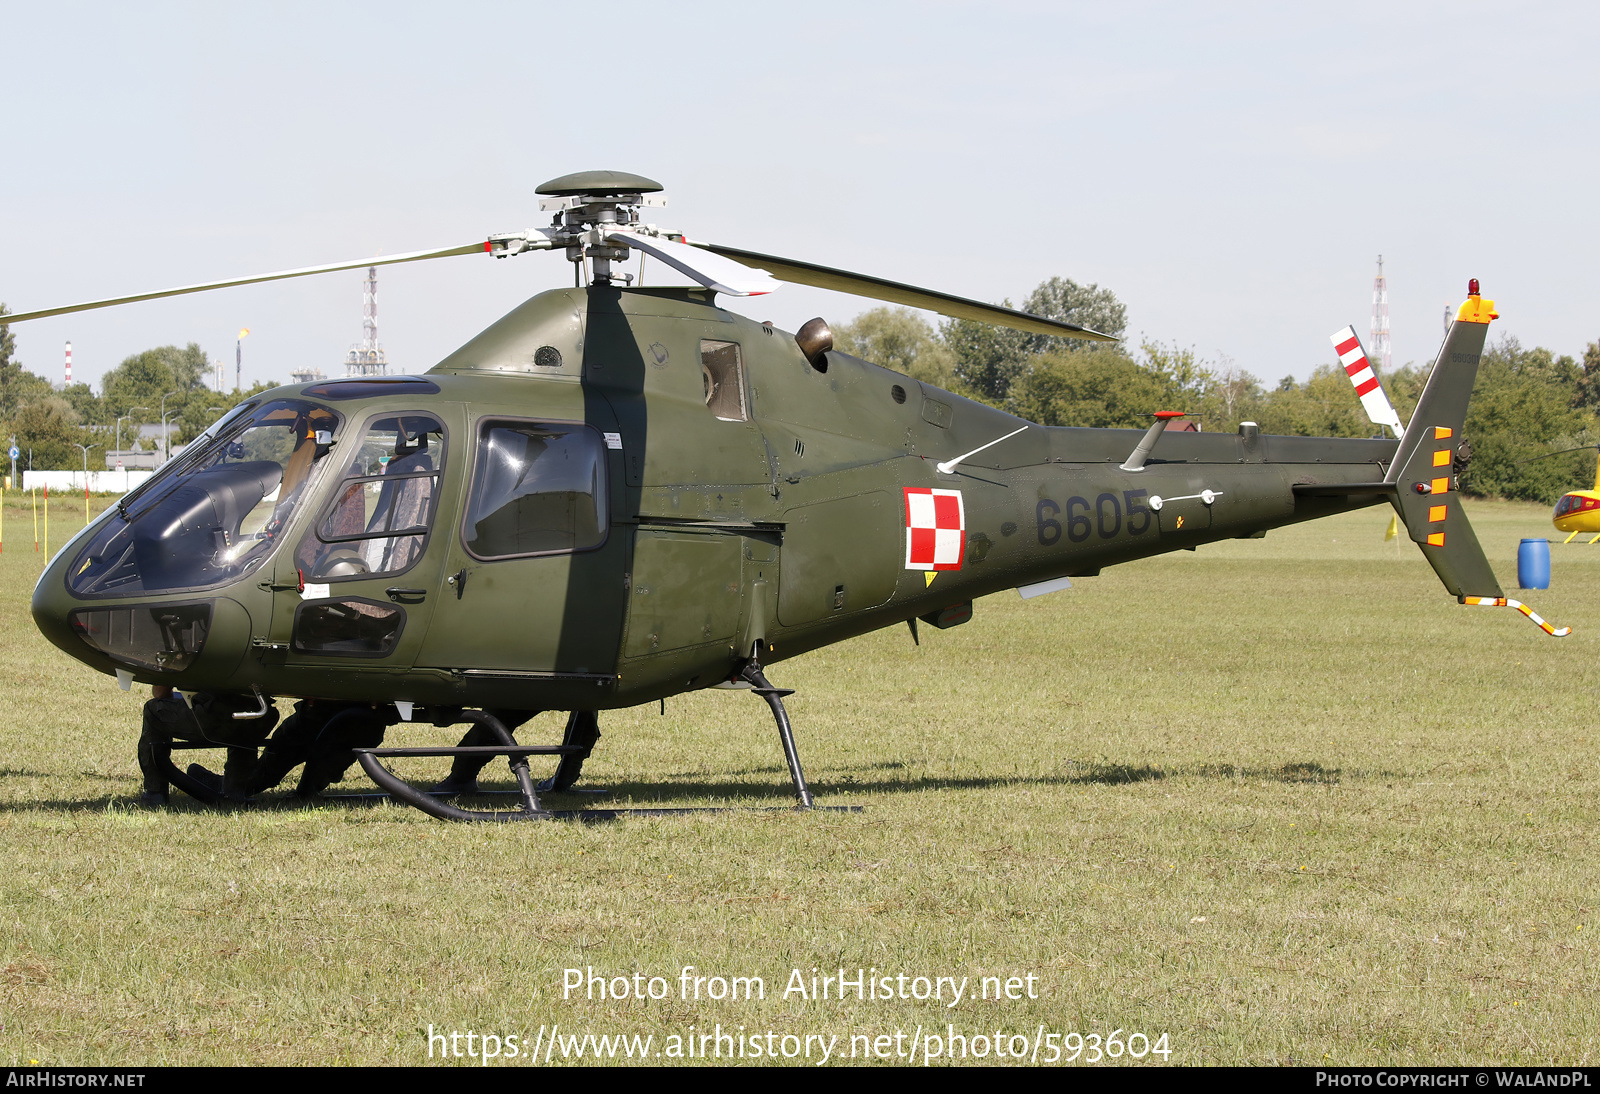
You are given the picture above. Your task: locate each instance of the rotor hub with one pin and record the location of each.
(588, 205)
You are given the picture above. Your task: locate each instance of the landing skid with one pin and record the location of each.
(582, 731)
(371, 760)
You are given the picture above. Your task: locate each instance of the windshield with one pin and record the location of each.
(218, 515)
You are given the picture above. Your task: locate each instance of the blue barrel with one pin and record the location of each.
(1533, 564)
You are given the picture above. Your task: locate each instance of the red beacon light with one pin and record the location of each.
(1472, 286)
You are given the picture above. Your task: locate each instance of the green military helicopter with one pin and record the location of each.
(619, 493)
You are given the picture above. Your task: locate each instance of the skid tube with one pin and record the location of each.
(389, 782)
(371, 760)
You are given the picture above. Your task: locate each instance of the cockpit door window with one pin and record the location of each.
(537, 488)
(378, 520)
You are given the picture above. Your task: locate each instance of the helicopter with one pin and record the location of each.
(1577, 512)
(618, 493)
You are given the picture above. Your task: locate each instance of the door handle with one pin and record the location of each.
(406, 596)
(299, 585)
(459, 580)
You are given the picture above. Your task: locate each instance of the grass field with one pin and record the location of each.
(1281, 800)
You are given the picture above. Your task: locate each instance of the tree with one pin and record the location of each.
(900, 339)
(1232, 396)
(1404, 386)
(1522, 404)
(1587, 394)
(1324, 406)
(1086, 387)
(1066, 301)
(48, 426)
(989, 359)
(143, 378)
(91, 409)
(10, 371)
(1182, 370)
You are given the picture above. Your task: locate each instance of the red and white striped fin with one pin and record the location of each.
(1503, 602)
(1373, 399)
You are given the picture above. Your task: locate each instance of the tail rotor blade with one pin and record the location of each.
(307, 271)
(894, 292)
(1353, 356)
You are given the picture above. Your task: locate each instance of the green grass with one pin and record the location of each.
(1282, 800)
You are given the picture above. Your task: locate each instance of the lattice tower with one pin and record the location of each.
(1380, 320)
(367, 357)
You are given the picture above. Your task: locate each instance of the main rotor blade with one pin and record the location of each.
(382, 260)
(1563, 452)
(715, 273)
(877, 288)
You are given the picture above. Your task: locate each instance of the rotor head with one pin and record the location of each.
(598, 183)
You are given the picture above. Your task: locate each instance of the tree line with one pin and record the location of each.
(1526, 403)
(50, 423)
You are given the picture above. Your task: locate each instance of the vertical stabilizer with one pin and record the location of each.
(1426, 466)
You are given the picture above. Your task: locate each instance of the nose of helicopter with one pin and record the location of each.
(161, 587)
(191, 643)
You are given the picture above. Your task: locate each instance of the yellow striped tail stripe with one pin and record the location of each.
(1504, 602)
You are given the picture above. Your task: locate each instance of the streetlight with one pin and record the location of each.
(166, 450)
(85, 448)
(124, 418)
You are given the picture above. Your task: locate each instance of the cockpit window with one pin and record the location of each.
(218, 514)
(379, 518)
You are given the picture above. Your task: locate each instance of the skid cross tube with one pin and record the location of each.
(774, 697)
(404, 791)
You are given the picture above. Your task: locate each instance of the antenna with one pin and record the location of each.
(1380, 319)
(367, 358)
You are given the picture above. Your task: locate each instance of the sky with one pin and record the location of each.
(1231, 171)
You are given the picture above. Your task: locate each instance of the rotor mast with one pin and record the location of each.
(589, 207)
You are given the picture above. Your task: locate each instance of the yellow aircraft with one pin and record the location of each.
(1578, 511)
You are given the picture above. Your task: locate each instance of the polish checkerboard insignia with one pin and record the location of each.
(936, 529)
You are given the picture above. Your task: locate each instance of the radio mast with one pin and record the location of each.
(1380, 320)
(367, 358)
